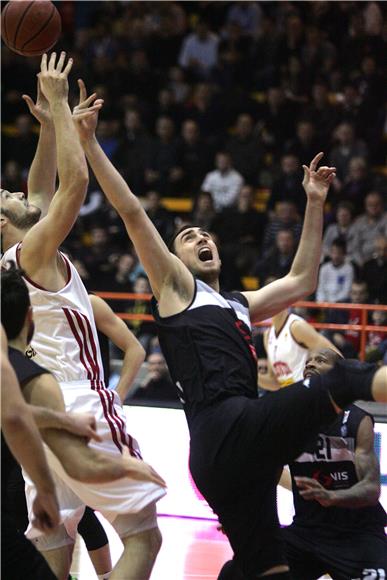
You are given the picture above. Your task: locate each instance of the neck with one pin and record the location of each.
(12, 236)
(18, 343)
(279, 319)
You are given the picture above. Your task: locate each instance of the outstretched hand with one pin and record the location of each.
(53, 77)
(316, 182)
(311, 489)
(85, 114)
(41, 109)
(83, 424)
(138, 469)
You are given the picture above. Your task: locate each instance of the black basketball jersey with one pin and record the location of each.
(208, 348)
(331, 461)
(25, 370)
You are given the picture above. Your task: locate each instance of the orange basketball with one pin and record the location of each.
(30, 28)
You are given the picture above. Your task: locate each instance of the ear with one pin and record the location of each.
(3, 221)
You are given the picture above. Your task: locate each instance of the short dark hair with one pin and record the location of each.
(171, 241)
(340, 243)
(15, 300)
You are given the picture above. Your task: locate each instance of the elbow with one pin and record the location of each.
(373, 494)
(13, 421)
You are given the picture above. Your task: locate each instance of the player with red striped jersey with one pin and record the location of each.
(65, 339)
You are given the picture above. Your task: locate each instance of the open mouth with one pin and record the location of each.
(205, 255)
(310, 373)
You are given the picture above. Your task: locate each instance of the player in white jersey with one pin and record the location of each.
(287, 343)
(65, 337)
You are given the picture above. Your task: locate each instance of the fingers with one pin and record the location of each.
(61, 60)
(51, 62)
(156, 478)
(94, 435)
(87, 102)
(29, 101)
(68, 67)
(82, 91)
(315, 161)
(43, 63)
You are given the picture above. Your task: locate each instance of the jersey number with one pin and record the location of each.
(372, 574)
(323, 448)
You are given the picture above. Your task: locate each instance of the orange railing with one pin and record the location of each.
(363, 327)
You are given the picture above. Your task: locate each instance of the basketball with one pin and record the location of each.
(30, 28)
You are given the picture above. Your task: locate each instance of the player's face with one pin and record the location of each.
(21, 213)
(197, 250)
(318, 363)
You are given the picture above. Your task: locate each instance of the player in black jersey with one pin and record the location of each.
(338, 527)
(19, 434)
(339, 524)
(239, 443)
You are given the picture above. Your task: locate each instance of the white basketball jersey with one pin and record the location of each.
(286, 356)
(65, 338)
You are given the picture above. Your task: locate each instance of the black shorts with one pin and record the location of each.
(238, 449)
(344, 555)
(19, 559)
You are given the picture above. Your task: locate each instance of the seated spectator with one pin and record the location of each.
(336, 276)
(321, 112)
(368, 227)
(157, 386)
(162, 172)
(342, 228)
(199, 52)
(285, 218)
(203, 213)
(178, 85)
(159, 215)
(374, 272)
(194, 157)
(224, 182)
(122, 276)
(204, 109)
(239, 230)
(288, 187)
(144, 330)
(277, 120)
(376, 337)
(167, 107)
(21, 146)
(348, 341)
(245, 149)
(347, 146)
(355, 185)
(97, 258)
(106, 133)
(12, 177)
(248, 15)
(279, 258)
(305, 144)
(133, 151)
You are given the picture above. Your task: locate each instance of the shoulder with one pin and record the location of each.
(24, 368)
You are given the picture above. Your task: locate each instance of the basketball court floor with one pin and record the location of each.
(192, 549)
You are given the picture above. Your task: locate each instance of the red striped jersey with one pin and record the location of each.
(65, 339)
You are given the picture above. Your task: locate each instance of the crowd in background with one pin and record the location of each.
(216, 102)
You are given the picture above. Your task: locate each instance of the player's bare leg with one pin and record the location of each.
(101, 560)
(59, 560)
(138, 558)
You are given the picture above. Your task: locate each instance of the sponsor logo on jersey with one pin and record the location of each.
(30, 352)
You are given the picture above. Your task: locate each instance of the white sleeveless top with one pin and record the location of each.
(286, 356)
(65, 339)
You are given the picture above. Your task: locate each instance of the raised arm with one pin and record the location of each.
(116, 330)
(306, 335)
(302, 278)
(41, 242)
(42, 173)
(166, 273)
(364, 493)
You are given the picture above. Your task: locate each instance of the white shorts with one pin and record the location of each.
(114, 499)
